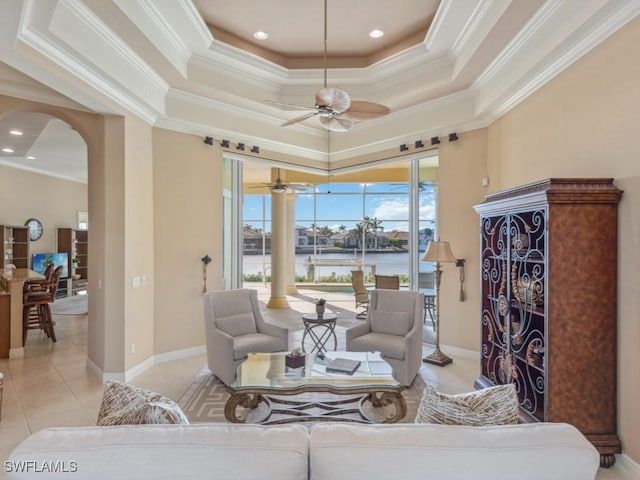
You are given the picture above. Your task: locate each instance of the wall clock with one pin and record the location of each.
(35, 229)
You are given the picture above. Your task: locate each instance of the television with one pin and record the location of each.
(40, 261)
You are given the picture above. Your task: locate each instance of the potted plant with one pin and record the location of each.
(75, 261)
(320, 303)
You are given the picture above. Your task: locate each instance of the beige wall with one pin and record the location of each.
(53, 201)
(462, 166)
(585, 124)
(109, 280)
(139, 242)
(187, 186)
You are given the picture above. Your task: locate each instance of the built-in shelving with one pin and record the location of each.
(15, 246)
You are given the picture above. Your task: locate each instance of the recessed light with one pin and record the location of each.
(17, 133)
(260, 35)
(31, 157)
(376, 33)
(7, 150)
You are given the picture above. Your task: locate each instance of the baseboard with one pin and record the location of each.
(138, 369)
(178, 354)
(102, 376)
(16, 352)
(627, 465)
(146, 364)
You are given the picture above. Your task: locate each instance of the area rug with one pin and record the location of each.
(73, 305)
(204, 401)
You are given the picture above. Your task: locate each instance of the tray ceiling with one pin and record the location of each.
(193, 65)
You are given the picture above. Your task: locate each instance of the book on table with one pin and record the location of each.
(343, 365)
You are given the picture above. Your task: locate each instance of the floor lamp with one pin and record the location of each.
(438, 252)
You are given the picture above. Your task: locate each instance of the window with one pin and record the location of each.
(356, 225)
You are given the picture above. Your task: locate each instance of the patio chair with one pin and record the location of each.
(390, 282)
(360, 292)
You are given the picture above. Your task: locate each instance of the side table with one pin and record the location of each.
(320, 331)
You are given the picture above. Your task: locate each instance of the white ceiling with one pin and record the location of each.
(446, 66)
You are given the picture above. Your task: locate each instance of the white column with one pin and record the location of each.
(290, 284)
(278, 251)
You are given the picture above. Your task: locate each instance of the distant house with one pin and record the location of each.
(301, 238)
(321, 240)
(342, 240)
(252, 241)
(397, 239)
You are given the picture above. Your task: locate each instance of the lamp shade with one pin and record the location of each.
(438, 251)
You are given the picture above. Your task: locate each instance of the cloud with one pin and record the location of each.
(398, 209)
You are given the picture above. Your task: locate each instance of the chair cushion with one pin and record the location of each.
(389, 345)
(255, 342)
(239, 324)
(124, 404)
(393, 323)
(490, 406)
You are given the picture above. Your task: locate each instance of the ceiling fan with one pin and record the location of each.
(280, 187)
(333, 106)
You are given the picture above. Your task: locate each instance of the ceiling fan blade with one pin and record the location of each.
(360, 110)
(337, 123)
(300, 118)
(288, 106)
(333, 97)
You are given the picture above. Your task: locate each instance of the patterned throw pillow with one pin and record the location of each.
(490, 406)
(124, 404)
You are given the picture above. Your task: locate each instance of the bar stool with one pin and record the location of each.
(36, 313)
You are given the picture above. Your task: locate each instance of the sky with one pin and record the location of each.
(347, 204)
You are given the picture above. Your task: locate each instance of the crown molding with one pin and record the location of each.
(156, 27)
(494, 102)
(37, 31)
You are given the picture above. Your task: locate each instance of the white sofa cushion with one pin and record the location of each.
(549, 451)
(163, 452)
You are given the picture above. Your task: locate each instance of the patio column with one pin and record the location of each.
(278, 251)
(290, 287)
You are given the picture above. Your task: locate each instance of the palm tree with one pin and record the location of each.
(374, 226)
(326, 231)
(360, 231)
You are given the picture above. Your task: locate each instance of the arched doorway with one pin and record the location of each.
(29, 190)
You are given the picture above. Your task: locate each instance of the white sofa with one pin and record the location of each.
(326, 451)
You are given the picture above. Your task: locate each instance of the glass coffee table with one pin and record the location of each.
(264, 380)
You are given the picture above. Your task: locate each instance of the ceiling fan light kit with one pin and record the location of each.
(280, 187)
(333, 106)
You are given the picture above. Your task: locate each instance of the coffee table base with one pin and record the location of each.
(332, 410)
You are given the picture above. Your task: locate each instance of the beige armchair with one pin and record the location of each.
(393, 327)
(234, 327)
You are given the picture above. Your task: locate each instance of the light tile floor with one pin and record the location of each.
(51, 385)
